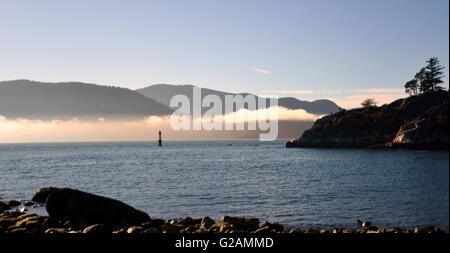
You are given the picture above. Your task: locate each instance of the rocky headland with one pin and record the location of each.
(74, 211)
(416, 122)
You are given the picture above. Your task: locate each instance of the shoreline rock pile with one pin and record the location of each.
(74, 211)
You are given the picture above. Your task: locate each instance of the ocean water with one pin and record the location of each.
(296, 187)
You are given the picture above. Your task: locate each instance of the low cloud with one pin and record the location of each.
(272, 113)
(146, 129)
(343, 91)
(348, 98)
(262, 71)
(354, 101)
(288, 92)
(380, 91)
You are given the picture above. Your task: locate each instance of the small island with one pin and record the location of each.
(417, 122)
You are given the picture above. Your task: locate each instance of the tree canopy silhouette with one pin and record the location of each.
(370, 102)
(412, 87)
(427, 79)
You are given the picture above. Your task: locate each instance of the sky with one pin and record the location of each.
(344, 50)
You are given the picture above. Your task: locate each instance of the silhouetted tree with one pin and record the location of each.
(370, 102)
(427, 79)
(420, 76)
(433, 76)
(412, 87)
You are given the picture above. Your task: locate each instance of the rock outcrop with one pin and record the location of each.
(419, 122)
(75, 205)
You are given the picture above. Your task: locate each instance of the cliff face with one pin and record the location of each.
(415, 122)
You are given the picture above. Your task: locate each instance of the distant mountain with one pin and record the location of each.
(320, 107)
(39, 100)
(164, 92)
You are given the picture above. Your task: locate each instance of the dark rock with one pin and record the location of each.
(42, 194)
(272, 227)
(3, 206)
(17, 230)
(134, 230)
(426, 230)
(171, 228)
(8, 221)
(247, 224)
(98, 228)
(33, 221)
(25, 215)
(80, 224)
(53, 223)
(206, 222)
(393, 230)
(227, 227)
(312, 231)
(150, 231)
(120, 231)
(188, 221)
(28, 224)
(70, 204)
(263, 230)
(362, 230)
(69, 224)
(381, 230)
(372, 228)
(191, 229)
(153, 223)
(55, 230)
(14, 203)
(28, 203)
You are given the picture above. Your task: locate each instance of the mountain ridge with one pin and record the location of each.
(30, 99)
(66, 100)
(164, 92)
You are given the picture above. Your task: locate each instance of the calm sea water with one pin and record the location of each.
(296, 187)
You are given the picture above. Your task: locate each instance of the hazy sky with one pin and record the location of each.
(340, 49)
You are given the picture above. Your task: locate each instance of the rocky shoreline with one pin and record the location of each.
(73, 211)
(416, 122)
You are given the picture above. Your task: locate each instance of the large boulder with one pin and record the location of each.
(70, 204)
(246, 224)
(42, 194)
(3, 206)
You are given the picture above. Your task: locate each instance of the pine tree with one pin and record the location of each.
(432, 76)
(420, 77)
